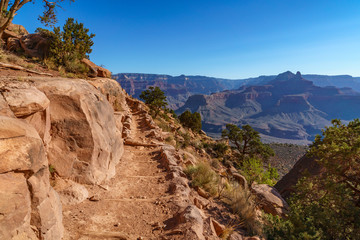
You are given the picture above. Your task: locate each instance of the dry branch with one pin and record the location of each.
(15, 67)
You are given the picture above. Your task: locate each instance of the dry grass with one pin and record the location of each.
(203, 176)
(163, 124)
(242, 202)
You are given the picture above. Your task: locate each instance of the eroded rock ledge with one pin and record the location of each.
(67, 125)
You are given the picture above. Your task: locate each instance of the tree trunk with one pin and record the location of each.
(5, 21)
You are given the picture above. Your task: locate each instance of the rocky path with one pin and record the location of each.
(133, 205)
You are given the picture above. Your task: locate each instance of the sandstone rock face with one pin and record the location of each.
(13, 193)
(24, 182)
(18, 29)
(85, 144)
(71, 192)
(96, 71)
(4, 108)
(26, 101)
(270, 200)
(113, 92)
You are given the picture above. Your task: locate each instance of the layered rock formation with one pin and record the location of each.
(66, 124)
(288, 109)
(177, 89)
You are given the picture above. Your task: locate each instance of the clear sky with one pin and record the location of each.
(220, 38)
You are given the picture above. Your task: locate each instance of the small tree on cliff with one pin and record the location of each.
(155, 99)
(8, 9)
(251, 154)
(69, 46)
(247, 141)
(191, 120)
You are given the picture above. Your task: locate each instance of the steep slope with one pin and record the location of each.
(288, 107)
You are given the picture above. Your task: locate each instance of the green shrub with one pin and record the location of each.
(327, 206)
(173, 114)
(69, 46)
(247, 141)
(220, 148)
(155, 99)
(191, 120)
(253, 170)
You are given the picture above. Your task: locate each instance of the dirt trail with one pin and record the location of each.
(136, 203)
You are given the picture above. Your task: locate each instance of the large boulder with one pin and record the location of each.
(13, 44)
(270, 200)
(305, 165)
(18, 29)
(25, 101)
(35, 45)
(193, 222)
(113, 92)
(85, 143)
(24, 181)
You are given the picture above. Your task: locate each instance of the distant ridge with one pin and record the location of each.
(287, 108)
(179, 88)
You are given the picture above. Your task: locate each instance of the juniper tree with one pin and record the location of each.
(154, 98)
(247, 141)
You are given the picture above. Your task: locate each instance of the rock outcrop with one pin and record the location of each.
(305, 166)
(85, 145)
(24, 182)
(270, 200)
(95, 70)
(66, 124)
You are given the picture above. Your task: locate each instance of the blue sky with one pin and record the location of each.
(223, 38)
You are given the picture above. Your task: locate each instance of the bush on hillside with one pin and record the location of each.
(253, 169)
(242, 202)
(69, 46)
(203, 176)
(191, 120)
(247, 141)
(155, 99)
(327, 206)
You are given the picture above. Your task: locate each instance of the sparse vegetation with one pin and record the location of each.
(191, 120)
(203, 176)
(327, 206)
(250, 153)
(242, 203)
(253, 169)
(155, 99)
(69, 46)
(247, 141)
